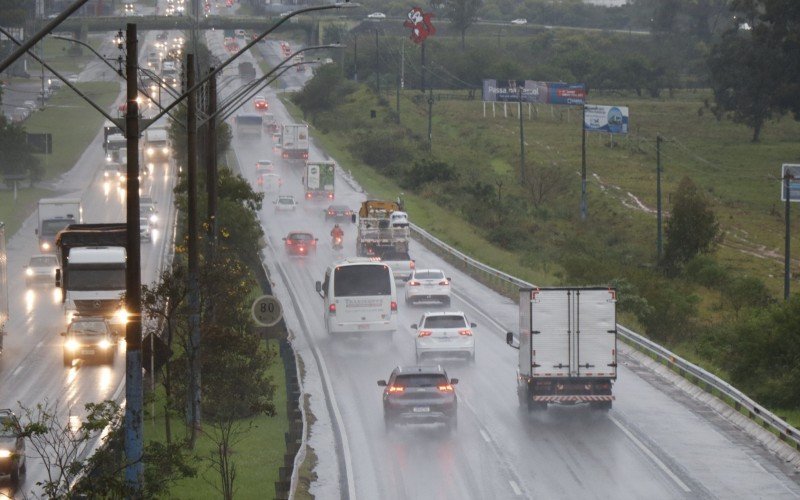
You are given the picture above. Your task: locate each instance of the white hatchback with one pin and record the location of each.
(444, 333)
(285, 202)
(428, 285)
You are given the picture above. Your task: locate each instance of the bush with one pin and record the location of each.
(383, 150)
(672, 314)
(428, 170)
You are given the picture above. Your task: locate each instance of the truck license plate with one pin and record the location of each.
(422, 409)
(87, 351)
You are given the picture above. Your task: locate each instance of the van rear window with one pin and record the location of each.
(361, 280)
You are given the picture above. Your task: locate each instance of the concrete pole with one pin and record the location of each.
(659, 230)
(134, 400)
(211, 167)
(787, 261)
(584, 201)
(193, 254)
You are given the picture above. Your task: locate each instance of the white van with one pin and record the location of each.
(360, 296)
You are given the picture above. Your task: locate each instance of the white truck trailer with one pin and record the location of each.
(92, 261)
(318, 180)
(294, 141)
(53, 215)
(567, 346)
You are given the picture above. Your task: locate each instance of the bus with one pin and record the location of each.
(360, 297)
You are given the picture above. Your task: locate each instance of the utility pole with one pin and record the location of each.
(397, 119)
(134, 399)
(402, 63)
(355, 58)
(584, 201)
(377, 64)
(521, 132)
(430, 118)
(422, 74)
(211, 167)
(659, 240)
(193, 255)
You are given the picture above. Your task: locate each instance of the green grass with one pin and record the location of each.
(257, 454)
(63, 57)
(63, 111)
(69, 142)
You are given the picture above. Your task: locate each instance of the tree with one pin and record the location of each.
(16, 155)
(462, 14)
(322, 92)
(746, 74)
(692, 227)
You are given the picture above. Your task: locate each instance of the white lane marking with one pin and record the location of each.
(485, 436)
(515, 487)
(40, 344)
(661, 465)
(16, 370)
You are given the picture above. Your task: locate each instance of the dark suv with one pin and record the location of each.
(12, 447)
(419, 394)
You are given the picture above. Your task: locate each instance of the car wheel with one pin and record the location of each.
(15, 476)
(388, 422)
(452, 424)
(67, 360)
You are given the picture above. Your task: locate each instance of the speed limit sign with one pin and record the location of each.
(267, 310)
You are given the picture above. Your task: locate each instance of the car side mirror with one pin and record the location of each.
(318, 286)
(382, 383)
(453, 381)
(414, 326)
(473, 325)
(353, 218)
(509, 338)
(449, 279)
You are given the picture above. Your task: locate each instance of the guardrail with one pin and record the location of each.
(509, 285)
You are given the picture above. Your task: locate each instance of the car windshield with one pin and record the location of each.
(429, 275)
(286, 201)
(84, 328)
(362, 280)
(420, 380)
(453, 321)
(7, 427)
(43, 261)
(301, 237)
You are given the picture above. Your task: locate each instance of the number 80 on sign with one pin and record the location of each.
(267, 310)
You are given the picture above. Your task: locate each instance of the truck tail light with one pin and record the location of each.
(308, 196)
(330, 196)
(393, 306)
(424, 333)
(465, 333)
(332, 309)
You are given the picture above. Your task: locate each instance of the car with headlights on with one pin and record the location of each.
(145, 232)
(260, 103)
(41, 269)
(338, 213)
(147, 208)
(89, 337)
(300, 243)
(444, 333)
(419, 394)
(285, 202)
(12, 447)
(428, 285)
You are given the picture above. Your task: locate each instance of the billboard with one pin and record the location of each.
(793, 172)
(534, 92)
(612, 119)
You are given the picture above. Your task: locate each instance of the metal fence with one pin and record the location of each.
(510, 285)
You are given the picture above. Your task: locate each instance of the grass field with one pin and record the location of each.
(257, 452)
(69, 142)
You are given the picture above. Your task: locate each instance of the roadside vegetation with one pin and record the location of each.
(714, 297)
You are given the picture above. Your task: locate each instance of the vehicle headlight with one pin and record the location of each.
(121, 315)
(150, 151)
(5, 453)
(105, 174)
(29, 272)
(104, 344)
(154, 218)
(45, 246)
(72, 345)
(165, 150)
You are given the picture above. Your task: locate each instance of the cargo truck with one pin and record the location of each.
(156, 145)
(53, 215)
(294, 141)
(3, 284)
(247, 72)
(376, 233)
(91, 274)
(319, 179)
(567, 347)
